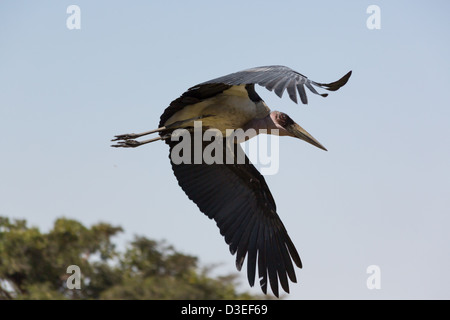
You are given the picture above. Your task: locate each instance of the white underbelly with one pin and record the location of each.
(230, 110)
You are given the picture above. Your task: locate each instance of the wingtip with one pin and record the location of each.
(336, 85)
(347, 76)
(239, 263)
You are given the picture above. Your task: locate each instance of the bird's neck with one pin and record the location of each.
(265, 125)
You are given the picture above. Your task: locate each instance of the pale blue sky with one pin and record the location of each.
(380, 195)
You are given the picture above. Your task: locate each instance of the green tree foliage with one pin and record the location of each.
(33, 265)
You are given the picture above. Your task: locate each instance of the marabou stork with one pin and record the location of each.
(234, 194)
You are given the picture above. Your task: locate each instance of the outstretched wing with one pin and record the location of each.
(279, 78)
(237, 197)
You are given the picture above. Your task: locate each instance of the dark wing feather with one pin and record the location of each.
(278, 78)
(237, 197)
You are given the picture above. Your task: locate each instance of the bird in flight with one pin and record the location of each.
(234, 193)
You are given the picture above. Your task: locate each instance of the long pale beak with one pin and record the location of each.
(298, 132)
